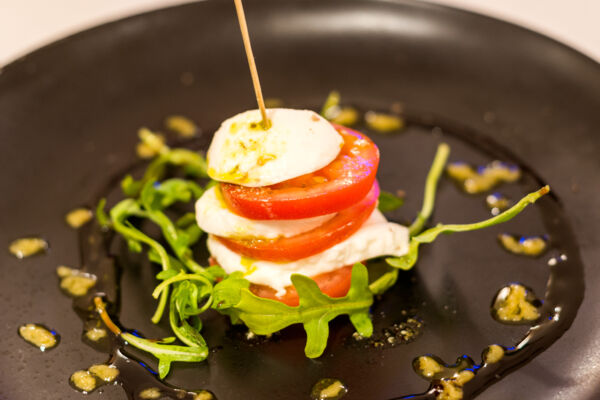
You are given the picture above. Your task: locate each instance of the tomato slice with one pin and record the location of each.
(339, 185)
(306, 244)
(334, 284)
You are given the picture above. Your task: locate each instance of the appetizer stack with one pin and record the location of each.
(297, 196)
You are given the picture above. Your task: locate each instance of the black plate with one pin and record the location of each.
(68, 116)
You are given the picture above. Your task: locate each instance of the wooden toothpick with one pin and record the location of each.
(251, 63)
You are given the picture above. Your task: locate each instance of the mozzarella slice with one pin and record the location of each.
(375, 238)
(297, 142)
(213, 216)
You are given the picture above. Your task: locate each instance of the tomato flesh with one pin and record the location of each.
(334, 284)
(306, 244)
(337, 186)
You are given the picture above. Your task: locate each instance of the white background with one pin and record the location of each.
(28, 24)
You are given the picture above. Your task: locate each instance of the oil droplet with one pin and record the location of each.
(497, 203)
(151, 144)
(150, 393)
(515, 304)
(74, 282)
(484, 178)
(27, 247)
(106, 373)
(492, 354)
(78, 217)
(428, 367)
(184, 127)
(450, 391)
(447, 380)
(83, 381)
(249, 265)
(64, 271)
(328, 388)
(95, 334)
(452, 388)
(39, 336)
(532, 246)
(384, 123)
(203, 395)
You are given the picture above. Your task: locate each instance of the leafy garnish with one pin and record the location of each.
(154, 198)
(167, 353)
(315, 311)
(388, 279)
(407, 261)
(192, 162)
(331, 103)
(384, 282)
(435, 172)
(101, 216)
(389, 201)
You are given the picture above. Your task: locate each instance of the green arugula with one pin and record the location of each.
(389, 202)
(166, 354)
(388, 279)
(433, 177)
(155, 198)
(331, 104)
(315, 311)
(193, 164)
(407, 261)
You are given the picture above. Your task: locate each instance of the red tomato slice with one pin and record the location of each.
(339, 185)
(306, 244)
(334, 284)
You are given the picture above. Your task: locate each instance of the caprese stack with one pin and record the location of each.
(299, 197)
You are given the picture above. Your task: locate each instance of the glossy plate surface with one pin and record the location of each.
(68, 117)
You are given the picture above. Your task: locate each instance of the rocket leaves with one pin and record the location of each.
(167, 353)
(408, 260)
(389, 201)
(192, 163)
(315, 311)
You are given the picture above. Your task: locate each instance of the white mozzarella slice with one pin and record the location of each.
(297, 142)
(213, 216)
(375, 238)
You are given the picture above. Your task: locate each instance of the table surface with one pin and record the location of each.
(28, 24)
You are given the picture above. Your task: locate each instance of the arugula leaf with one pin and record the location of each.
(119, 214)
(227, 293)
(155, 198)
(181, 276)
(315, 311)
(101, 216)
(384, 282)
(407, 261)
(185, 297)
(177, 190)
(166, 273)
(193, 164)
(389, 201)
(166, 353)
(435, 172)
(331, 104)
(215, 272)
